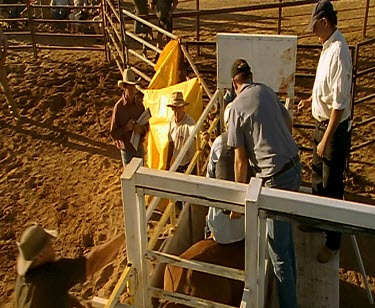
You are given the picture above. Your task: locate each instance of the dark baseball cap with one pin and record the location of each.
(240, 65)
(322, 9)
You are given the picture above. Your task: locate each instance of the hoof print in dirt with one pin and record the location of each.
(87, 239)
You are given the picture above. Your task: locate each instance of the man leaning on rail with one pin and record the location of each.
(259, 130)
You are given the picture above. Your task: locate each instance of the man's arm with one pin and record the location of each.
(240, 164)
(334, 121)
(103, 254)
(304, 102)
(117, 132)
(287, 118)
(170, 154)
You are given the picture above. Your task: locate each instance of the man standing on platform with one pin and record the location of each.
(331, 110)
(259, 130)
(180, 128)
(124, 119)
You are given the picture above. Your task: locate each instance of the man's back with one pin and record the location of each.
(47, 285)
(258, 123)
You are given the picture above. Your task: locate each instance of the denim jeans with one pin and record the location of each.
(280, 241)
(328, 171)
(127, 156)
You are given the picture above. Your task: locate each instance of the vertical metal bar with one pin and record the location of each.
(279, 17)
(365, 18)
(262, 256)
(362, 268)
(32, 28)
(355, 55)
(104, 31)
(143, 283)
(250, 298)
(197, 26)
(132, 226)
(124, 48)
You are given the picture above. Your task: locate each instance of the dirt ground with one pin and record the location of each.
(60, 168)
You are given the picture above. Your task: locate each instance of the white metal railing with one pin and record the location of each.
(255, 202)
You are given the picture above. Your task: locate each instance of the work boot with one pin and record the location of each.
(326, 254)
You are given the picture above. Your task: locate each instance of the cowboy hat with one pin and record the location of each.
(33, 240)
(177, 100)
(128, 77)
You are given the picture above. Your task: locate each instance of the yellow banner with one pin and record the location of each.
(167, 67)
(156, 100)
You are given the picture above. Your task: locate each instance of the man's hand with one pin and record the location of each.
(303, 103)
(234, 215)
(139, 129)
(130, 125)
(321, 148)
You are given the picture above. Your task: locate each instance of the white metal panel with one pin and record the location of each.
(272, 59)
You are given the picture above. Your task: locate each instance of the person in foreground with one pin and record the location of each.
(44, 280)
(331, 110)
(259, 130)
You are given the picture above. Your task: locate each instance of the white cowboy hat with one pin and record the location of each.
(128, 77)
(177, 100)
(33, 240)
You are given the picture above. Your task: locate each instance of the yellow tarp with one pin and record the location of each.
(167, 67)
(156, 100)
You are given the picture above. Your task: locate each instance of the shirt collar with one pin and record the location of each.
(245, 85)
(332, 38)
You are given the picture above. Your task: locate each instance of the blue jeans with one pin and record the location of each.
(280, 241)
(127, 156)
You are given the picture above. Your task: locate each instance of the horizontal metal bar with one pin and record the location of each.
(136, 54)
(204, 267)
(365, 71)
(142, 41)
(70, 47)
(183, 299)
(148, 24)
(293, 203)
(362, 99)
(194, 200)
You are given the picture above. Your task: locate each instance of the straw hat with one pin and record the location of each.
(128, 77)
(33, 240)
(177, 100)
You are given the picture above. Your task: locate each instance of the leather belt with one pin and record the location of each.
(295, 160)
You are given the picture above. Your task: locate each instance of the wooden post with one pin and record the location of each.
(132, 226)
(251, 292)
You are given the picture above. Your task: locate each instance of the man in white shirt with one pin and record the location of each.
(180, 128)
(331, 108)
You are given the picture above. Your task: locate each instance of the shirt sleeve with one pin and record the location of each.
(214, 158)
(71, 271)
(116, 132)
(341, 79)
(235, 135)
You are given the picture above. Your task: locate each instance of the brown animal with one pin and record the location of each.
(206, 286)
